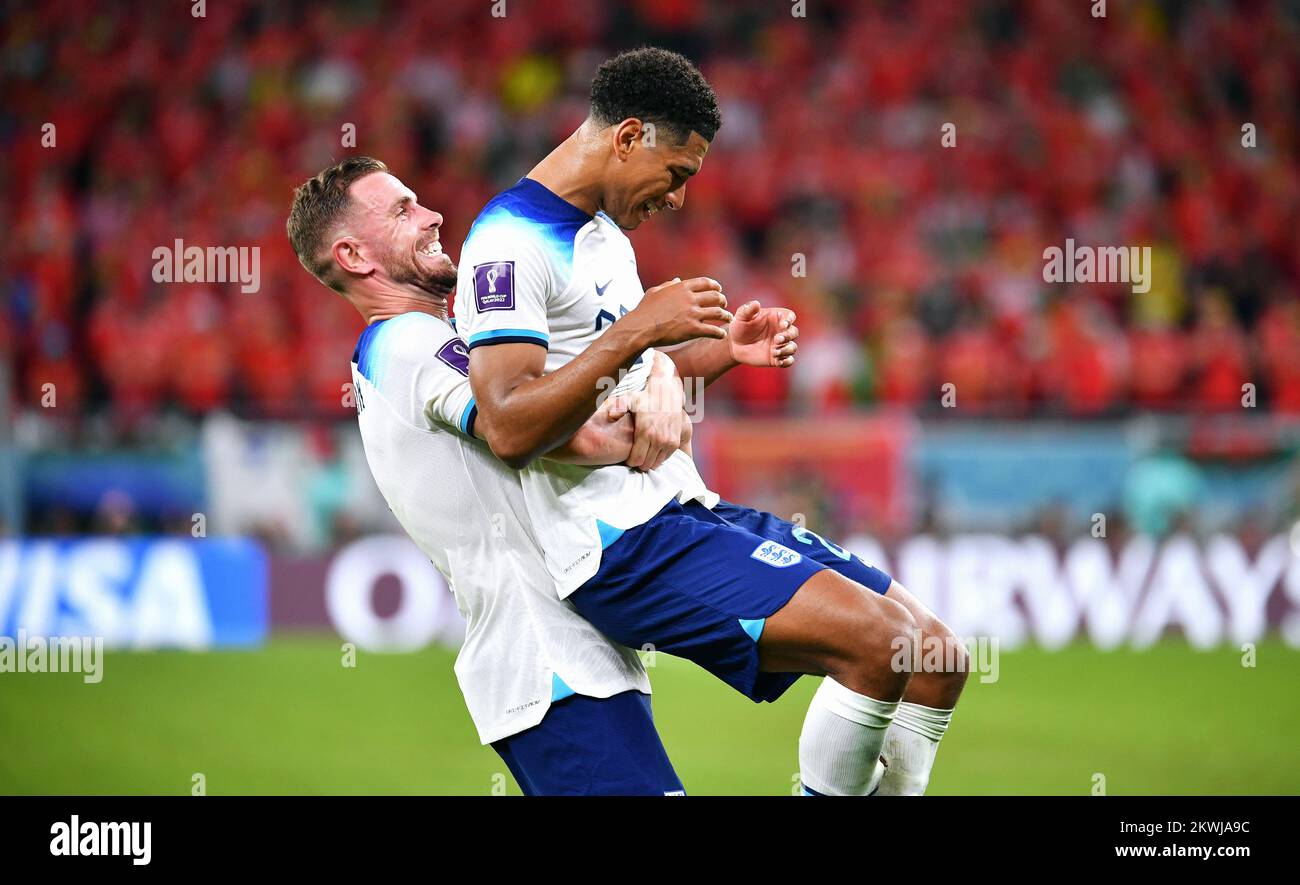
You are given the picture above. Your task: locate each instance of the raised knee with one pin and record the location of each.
(891, 630)
(943, 655)
(896, 620)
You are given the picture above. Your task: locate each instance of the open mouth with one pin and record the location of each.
(649, 208)
(433, 249)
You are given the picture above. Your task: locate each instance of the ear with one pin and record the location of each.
(347, 255)
(626, 136)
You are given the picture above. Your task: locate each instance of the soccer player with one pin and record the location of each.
(362, 233)
(550, 304)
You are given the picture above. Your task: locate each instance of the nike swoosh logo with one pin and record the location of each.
(600, 290)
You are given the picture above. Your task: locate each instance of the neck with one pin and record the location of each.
(573, 170)
(438, 310)
(376, 306)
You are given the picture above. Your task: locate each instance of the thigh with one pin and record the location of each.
(592, 747)
(807, 542)
(836, 627)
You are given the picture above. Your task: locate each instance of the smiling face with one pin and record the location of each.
(391, 237)
(649, 174)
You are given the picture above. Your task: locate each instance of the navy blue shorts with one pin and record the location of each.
(592, 747)
(807, 542)
(700, 584)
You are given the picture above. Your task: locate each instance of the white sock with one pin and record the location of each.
(839, 748)
(910, 746)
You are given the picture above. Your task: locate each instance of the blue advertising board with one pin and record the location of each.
(136, 592)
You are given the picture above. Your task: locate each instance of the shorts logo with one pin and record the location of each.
(454, 354)
(775, 554)
(494, 286)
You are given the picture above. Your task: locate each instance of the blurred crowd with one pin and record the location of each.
(911, 264)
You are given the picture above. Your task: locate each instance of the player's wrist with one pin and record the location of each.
(729, 358)
(631, 339)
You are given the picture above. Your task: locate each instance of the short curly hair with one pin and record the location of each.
(655, 86)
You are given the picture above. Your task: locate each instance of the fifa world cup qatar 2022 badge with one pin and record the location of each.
(494, 286)
(455, 354)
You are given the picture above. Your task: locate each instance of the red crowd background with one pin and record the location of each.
(1164, 124)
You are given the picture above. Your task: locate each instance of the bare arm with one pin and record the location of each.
(605, 438)
(528, 412)
(756, 337)
(602, 440)
(627, 428)
(611, 435)
(708, 359)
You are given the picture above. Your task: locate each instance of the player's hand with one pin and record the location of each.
(615, 417)
(618, 413)
(680, 310)
(688, 430)
(658, 414)
(763, 336)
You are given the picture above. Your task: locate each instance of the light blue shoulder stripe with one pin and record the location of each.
(479, 337)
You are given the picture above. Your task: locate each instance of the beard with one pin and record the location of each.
(438, 280)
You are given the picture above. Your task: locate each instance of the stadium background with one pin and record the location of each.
(179, 471)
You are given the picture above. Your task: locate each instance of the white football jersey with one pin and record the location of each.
(465, 509)
(537, 269)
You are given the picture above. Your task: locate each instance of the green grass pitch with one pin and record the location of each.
(289, 718)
